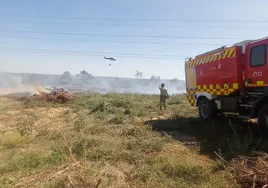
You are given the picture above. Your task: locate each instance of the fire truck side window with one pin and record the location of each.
(258, 56)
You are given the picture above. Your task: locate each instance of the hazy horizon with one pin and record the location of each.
(74, 74)
(30, 84)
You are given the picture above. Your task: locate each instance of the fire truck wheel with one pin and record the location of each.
(205, 109)
(263, 118)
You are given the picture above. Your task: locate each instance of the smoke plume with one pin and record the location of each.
(12, 84)
(29, 84)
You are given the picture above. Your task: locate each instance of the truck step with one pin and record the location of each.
(246, 105)
(255, 93)
(244, 117)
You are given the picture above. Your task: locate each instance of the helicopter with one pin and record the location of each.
(110, 58)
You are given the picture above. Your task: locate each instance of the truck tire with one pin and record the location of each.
(263, 119)
(205, 109)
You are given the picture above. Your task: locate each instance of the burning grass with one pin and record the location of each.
(101, 140)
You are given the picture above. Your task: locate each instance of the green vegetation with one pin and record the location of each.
(116, 140)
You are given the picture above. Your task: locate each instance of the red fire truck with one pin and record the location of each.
(230, 80)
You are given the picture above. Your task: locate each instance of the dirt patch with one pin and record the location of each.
(7, 100)
(143, 120)
(51, 112)
(173, 150)
(49, 118)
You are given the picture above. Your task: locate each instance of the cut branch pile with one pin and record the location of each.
(54, 97)
(250, 171)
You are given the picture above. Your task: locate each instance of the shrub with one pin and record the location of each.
(120, 102)
(102, 106)
(81, 146)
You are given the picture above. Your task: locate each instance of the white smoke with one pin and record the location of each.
(35, 83)
(124, 85)
(12, 84)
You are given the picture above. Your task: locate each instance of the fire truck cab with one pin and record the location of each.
(231, 80)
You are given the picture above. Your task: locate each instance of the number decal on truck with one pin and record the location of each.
(259, 73)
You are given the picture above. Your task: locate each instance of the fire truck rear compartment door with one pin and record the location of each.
(191, 78)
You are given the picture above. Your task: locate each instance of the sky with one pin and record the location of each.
(152, 36)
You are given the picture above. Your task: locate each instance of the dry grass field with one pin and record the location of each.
(117, 140)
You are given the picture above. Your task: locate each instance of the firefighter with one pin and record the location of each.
(163, 95)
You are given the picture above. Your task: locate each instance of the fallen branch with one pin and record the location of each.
(249, 171)
(69, 147)
(221, 158)
(71, 182)
(98, 184)
(47, 177)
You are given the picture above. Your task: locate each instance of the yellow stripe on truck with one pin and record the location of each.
(228, 53)
(217, 89)
(225, 54)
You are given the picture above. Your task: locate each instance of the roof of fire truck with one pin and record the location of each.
(219, 50)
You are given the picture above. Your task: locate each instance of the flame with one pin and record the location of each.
(40, 89)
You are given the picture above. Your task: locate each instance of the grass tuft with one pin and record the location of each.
(189, 174)
(118, 119)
